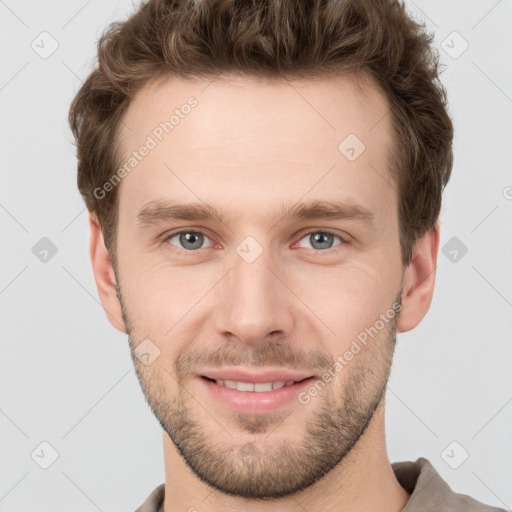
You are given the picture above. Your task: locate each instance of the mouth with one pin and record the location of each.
(258, 387)
(245, 392)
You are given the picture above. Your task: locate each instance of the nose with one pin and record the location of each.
(254, 301)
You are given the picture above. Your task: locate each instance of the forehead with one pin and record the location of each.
(243, 137)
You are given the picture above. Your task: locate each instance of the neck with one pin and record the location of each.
(362, 481)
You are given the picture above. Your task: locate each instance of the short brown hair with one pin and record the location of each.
(273, 39)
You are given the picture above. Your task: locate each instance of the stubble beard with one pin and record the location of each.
(262, 469)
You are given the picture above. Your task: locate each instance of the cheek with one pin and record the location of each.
(347, 292)
(348, 299)
(160, 297)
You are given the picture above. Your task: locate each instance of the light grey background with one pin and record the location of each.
(66, 376)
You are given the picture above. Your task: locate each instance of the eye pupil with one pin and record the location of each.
(188, 237)
(322, 239)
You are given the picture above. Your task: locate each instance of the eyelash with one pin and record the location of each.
(168, 236)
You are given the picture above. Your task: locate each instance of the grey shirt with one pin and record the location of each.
(429, 492)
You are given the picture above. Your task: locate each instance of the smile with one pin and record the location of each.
(248, 386)
(253, 397)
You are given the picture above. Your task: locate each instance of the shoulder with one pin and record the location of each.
(429, 492)
(154, 500)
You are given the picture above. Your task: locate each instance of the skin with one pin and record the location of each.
(248, 147)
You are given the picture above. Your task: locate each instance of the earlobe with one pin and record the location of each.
(104, 276)
(419, 280)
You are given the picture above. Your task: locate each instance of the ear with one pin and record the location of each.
(104, 276)
(419, 279)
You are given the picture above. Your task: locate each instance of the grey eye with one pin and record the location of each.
(321, 240)
(189, 240)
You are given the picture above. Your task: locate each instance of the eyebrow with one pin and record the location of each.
(158, 211)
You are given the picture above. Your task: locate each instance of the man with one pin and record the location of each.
(264, 182)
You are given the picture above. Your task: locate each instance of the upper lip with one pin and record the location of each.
(241, 375)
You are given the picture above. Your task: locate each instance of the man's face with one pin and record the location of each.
(264, 289)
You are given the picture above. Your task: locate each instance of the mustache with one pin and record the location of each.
(270, 354)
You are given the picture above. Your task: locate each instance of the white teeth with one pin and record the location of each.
(229, 384)
(262, 386)
(244, 386)
(259, 387)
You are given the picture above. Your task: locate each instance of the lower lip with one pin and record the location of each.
(255, 401)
